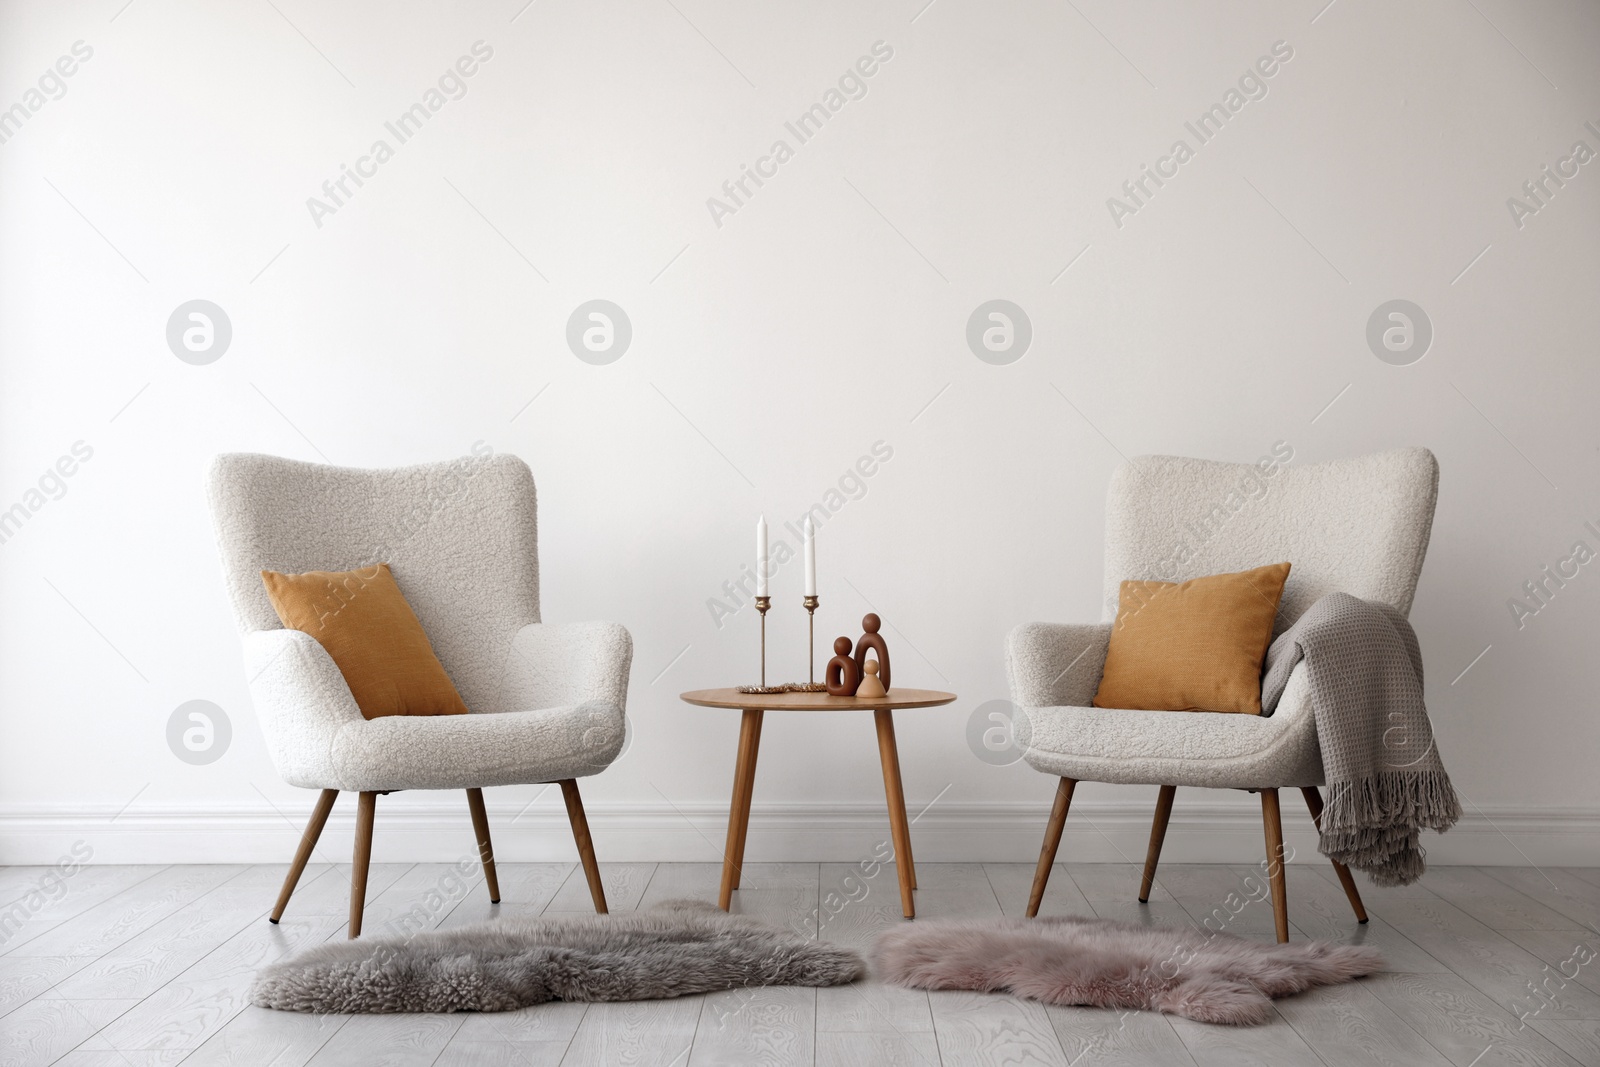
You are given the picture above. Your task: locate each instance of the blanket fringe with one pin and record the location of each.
(1373, 823)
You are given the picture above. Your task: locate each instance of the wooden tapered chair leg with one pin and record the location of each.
(580, 834)
(480, 828)
(308, 841)
(1272, 823)
(1158, 834)
(365, 810)
(1052, 840)
(1314, 802)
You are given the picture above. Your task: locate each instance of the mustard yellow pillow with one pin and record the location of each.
(373, 636)
(1192, 646)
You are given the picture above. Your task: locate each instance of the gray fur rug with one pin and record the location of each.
(678, 948)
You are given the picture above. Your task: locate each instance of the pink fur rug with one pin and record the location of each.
(1212, 978)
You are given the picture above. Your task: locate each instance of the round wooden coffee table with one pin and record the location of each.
(755, 705)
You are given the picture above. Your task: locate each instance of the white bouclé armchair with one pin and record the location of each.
(546, 700)
(1358, 526)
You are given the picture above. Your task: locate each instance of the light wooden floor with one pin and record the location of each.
(150, 965)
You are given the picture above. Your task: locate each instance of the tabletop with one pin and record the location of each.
(896, 699)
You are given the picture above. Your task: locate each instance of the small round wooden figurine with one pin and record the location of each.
(870, 685)
(872, 640)
(842, 674)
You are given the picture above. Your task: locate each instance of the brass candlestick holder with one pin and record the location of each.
(811, 638)
(812, 685)
(762, 604)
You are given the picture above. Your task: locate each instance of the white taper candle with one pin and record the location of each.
(761, 556)
(811, 558)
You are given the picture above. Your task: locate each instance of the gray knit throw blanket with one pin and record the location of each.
(1386, 783)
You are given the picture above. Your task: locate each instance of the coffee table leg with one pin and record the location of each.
(749, 791)
(899, 828)
(744, 780)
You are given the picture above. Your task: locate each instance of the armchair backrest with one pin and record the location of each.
(1358, 526)
(461, 538)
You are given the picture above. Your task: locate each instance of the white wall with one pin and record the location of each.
(772, 351)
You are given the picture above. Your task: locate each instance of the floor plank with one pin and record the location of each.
(60, 889)
(624, 883)
(1233, 900)
(187, 1011)
(1573, 954)
(46, 897)
(864, 886)
(1464, 1024)
(43, 1030)
(270, 876)
(258, 1036)
(1095, 1037)
(147, 961)
(646, 1033)
(473, 911)
(985, 1028)
(330, 893)
(851, 916)
(1508, 973)
(1347, 1025)
(1322, 911)
(1376, 897)
(953, 891)
(103, 927)
(873, 1007)
(102, 1058)
(23, 978)
(1580, 1040)
(544, 1026)
(420, 899)
(1013, 882)
(1112, 890)
(526, 885)
(877, 1049)
(761, 1025)
(854, 908)
(388, 1041)
(1587, 874)
(1272, 1044)
(1563, 890)
(460, 1053)
(784, 894)
(1492, 902)
(703, 881)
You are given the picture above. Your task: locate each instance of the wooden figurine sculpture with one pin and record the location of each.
(842, 675)
(874, 641)
(870, 686)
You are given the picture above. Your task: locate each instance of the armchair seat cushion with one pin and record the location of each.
(555, 725)
(1162, 748)
(471, 751)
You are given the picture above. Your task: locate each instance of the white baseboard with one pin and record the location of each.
(433, 829)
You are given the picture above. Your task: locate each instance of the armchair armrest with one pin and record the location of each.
(1056, 664)
(302, 702)
(566, 664)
